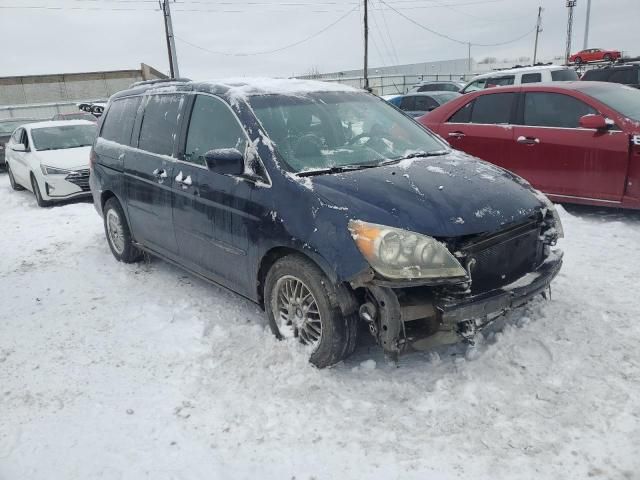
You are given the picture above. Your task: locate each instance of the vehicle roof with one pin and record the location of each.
(579, 86)
(56, 123)
(241, 87)
(18, 120)
(426, 82)
(426, 94)
(521, 70)
(620, 66)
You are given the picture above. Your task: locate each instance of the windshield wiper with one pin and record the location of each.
(337, 169)
(409, 156)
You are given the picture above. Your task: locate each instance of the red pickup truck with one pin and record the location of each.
(579, 142)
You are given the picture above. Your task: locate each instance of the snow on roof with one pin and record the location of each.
(244, 87)
(57, 123)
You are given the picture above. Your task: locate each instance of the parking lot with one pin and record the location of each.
(121, 371)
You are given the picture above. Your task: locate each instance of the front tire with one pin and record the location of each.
(118, 233)
(300, 303)
(14, 185)
(578, 61)
(36, 191)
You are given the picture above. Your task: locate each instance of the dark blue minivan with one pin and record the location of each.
(325, 205)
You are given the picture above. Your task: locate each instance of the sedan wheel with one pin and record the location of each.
(115, 231)
(36, 191)
(14, 185)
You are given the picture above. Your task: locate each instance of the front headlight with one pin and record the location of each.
(399, 254)
(551, 209)
(53, 171)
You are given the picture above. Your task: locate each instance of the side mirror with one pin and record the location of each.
(225, 161)
(19, 147)
(597, 122)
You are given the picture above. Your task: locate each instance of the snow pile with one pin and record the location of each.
(142, 371)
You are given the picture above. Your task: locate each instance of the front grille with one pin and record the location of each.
(509, 256)
(79, 178)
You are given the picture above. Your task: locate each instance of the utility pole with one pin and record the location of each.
(571, 4)
(469, 57)
(171, 45)
(586, 27)
(538, 30)
(366, 46)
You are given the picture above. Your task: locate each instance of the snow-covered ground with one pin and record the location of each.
(112, 371)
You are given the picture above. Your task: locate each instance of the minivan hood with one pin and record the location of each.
(445, 196)
(68, 158)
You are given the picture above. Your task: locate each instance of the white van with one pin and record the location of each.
(516, 76)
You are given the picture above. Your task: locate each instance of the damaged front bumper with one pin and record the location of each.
(406, 319)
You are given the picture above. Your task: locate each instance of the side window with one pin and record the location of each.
(427, 88)
(531, 78)
(212, 126)
(118, 124)
(477, 85)
(463, 115)
(500, 81)
(554, 110)
(425, 104)
(17, 135)
(627, 76)
(408, 103)
(159, 128)
(493, 109)
(24, 139)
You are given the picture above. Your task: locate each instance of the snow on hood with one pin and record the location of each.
(445, 196)
(69, 158)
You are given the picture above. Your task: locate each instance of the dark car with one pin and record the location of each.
(438, 86)
(7, 127)
(417, 104)
(323, 204)
(624, 74)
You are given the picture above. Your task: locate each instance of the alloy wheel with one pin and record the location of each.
(115, 231)
(296, 311)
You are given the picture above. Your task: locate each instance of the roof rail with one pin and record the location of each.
(159, 80)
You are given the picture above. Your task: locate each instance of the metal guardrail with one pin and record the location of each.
(395, 84)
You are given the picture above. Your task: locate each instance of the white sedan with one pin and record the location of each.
(51, 159)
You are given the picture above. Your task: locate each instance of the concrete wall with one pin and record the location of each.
(41, 96)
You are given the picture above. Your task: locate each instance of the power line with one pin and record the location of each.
(275, 50)
(393, 47)
(461, 42)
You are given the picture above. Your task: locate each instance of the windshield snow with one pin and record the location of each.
(66, 136)
(337, 129)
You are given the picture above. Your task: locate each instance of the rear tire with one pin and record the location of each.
(301, 304)
(36, 191)
(118, 233)
(14, 185)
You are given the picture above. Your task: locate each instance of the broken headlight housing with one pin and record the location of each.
(555, 222)
(400, 254)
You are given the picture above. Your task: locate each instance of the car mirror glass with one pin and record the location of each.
(226, 161)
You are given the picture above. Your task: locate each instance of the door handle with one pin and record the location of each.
(456, 135)
(528, 140)
(160, 174)
(185, 182)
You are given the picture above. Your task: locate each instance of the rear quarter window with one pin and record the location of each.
(118, 124)
(568, 75)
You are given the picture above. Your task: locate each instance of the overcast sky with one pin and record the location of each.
(90, 35)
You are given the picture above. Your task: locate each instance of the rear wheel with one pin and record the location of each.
(118, 233)
(12, 180)
(300, 302)
(578, 60)
(36, 191)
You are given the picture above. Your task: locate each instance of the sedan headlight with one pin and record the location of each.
(551, 209)
(53, 171)
(399, 254)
